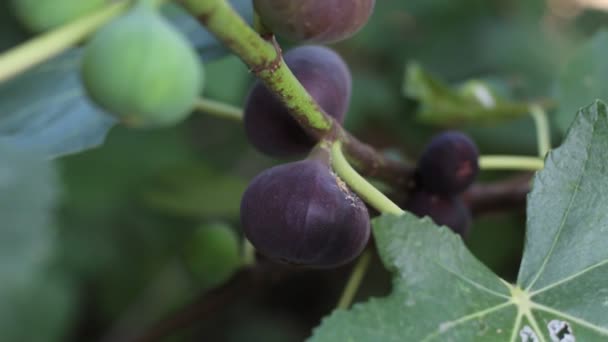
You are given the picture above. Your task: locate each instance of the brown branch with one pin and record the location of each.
(505, 195)
(205, 305)
(244, 282)
(371, 163)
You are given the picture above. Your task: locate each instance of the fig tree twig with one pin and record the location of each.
(499, 196)
(206, 304)
(247, 281)
(263, 56)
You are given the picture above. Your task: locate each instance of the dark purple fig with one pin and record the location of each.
(449, 164)
(268, 125)
(319, 21)
(447, 211)
(301, 213)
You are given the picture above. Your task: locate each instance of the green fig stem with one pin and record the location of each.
(543, 133)
(263, 56)
(354, 281)
(521, 163)
(53, 43)
(373, 197)
(219, 109)
(360, 185)
(248, 253)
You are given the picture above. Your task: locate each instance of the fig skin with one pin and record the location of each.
(449, 211)
(302, 214)
(43, 15)
(140, 69)
(314, 21)
(449, 164)
(268, 125)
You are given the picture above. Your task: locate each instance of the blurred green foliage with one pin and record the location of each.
(35, 291)
(213, 254)
(131, 207)
(582, 78)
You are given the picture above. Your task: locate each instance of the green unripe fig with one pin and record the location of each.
(213, 254)
(142, 70)
(43, 15)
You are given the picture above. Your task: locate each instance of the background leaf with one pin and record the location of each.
(196, 191)
(30, 290)
(207, 46)
(582, 79)
(10, 32)
(473, 101)
(46, 110)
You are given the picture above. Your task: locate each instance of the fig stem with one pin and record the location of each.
(354, 281)
(522, 163)
(263, 56)
(360, 185)
(53, 43)
(543, 133)
(248, 253)
(219, 109)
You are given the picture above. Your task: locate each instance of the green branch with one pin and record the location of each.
(511, 163)
(219, 109)
(543, 133)
(248, 253)
(360, 185)
(53, 43)
(373, 197)
(354, 281)
(263, 57)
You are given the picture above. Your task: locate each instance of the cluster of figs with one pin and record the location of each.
(143, 71)
(301, 213)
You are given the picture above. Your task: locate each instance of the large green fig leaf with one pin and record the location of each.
(442, 293)
(46, 110)
(582, 79)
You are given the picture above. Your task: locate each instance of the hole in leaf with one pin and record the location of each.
(560, 331)
(528, 335)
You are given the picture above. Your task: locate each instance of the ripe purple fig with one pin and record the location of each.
(268, 125)
(319, 21)
(301, 213)
(449, 164)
